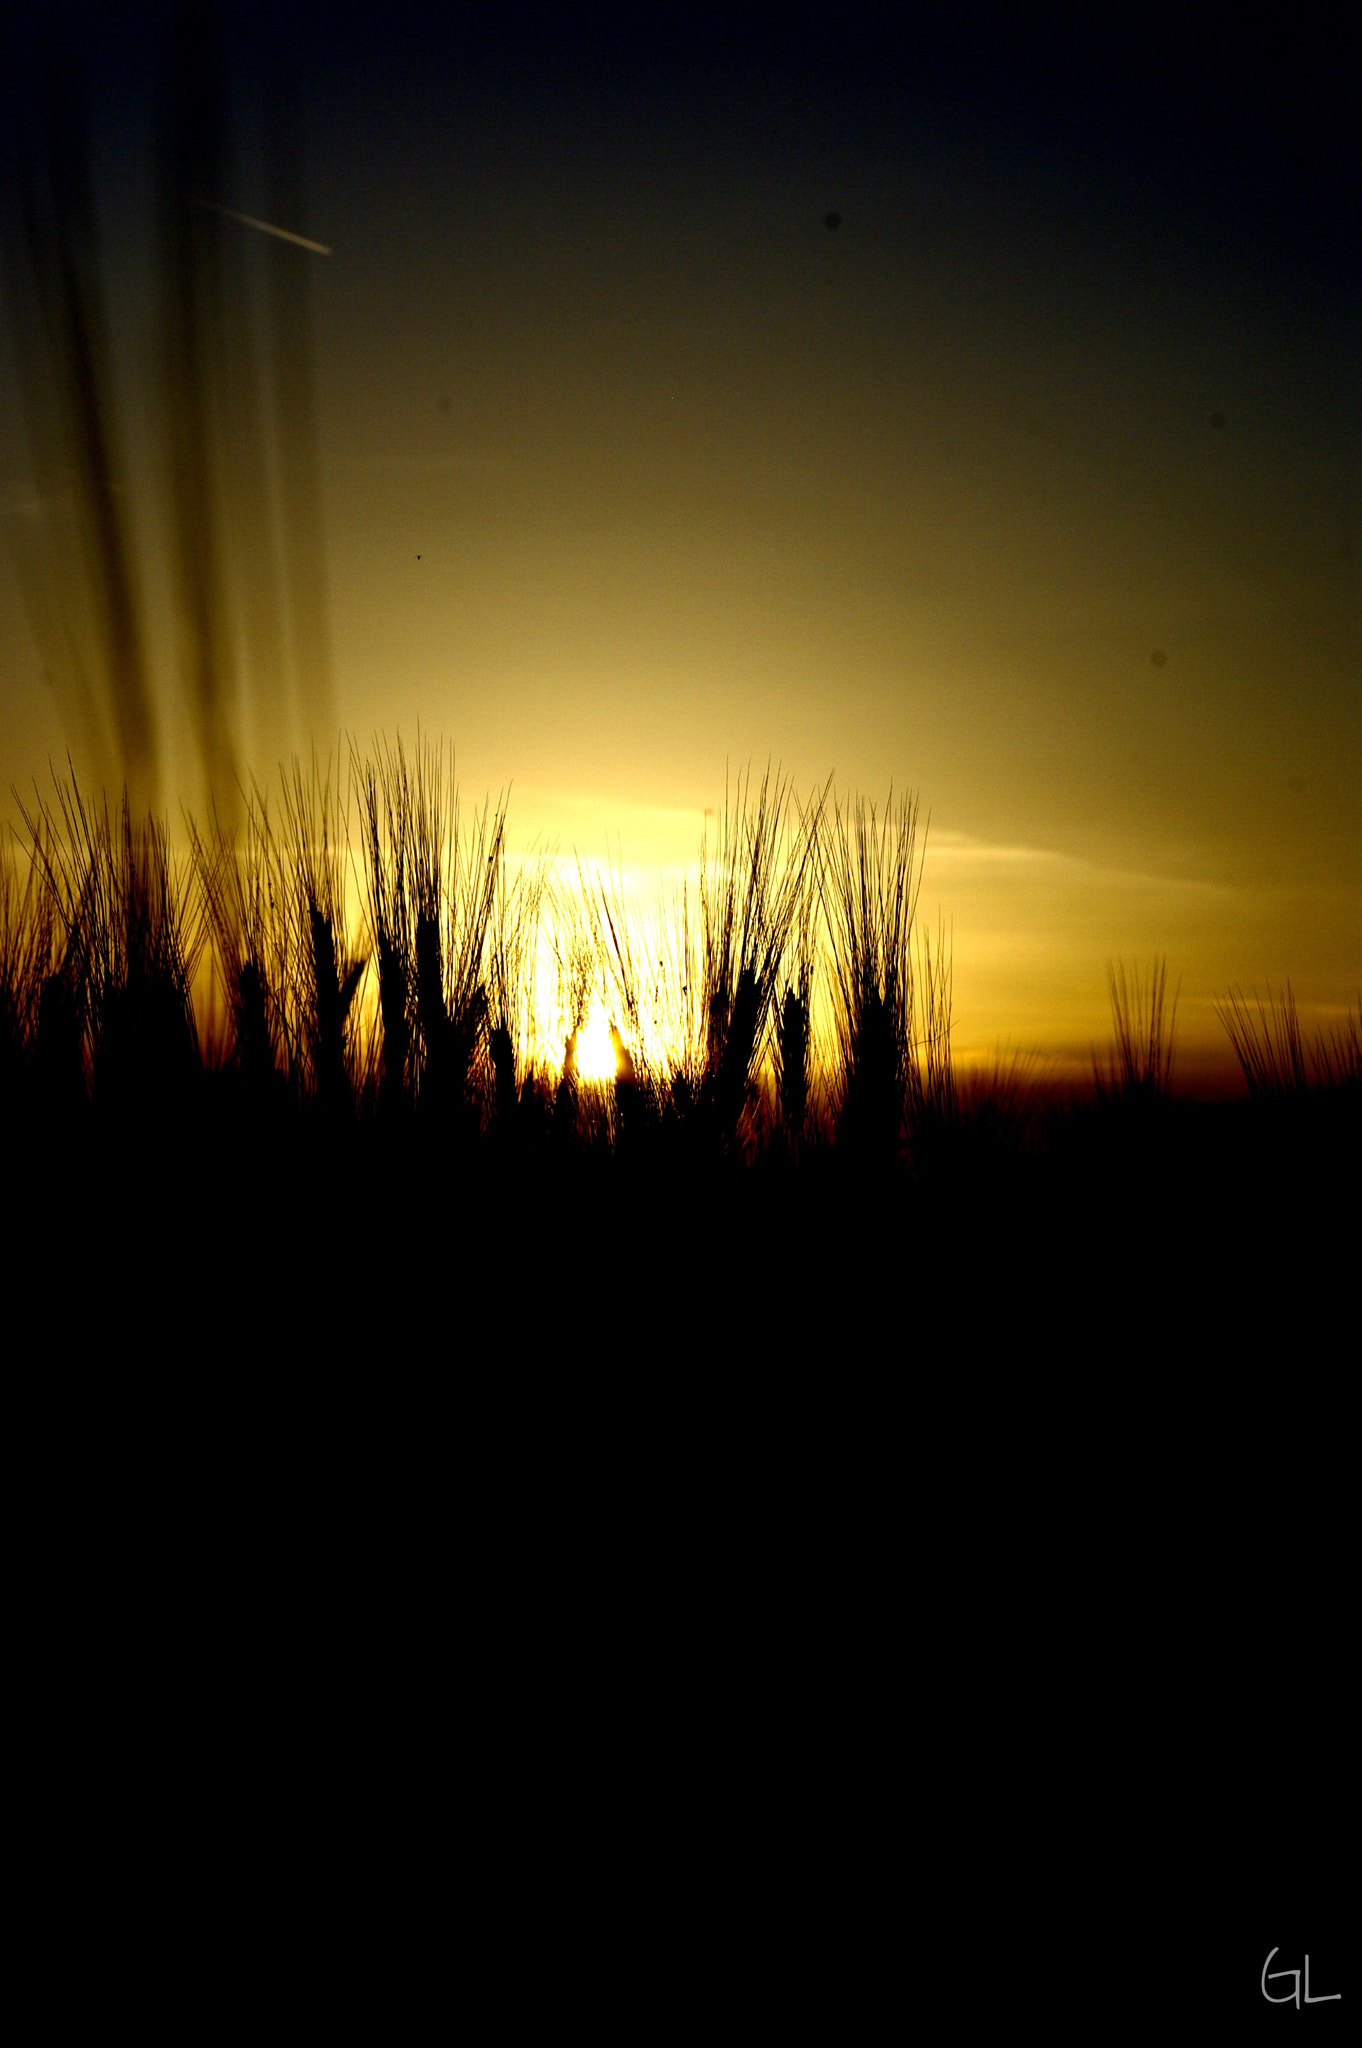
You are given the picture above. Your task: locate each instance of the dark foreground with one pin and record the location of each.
(264, 1240)
(826, 1568)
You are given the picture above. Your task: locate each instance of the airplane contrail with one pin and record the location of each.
(266, 227)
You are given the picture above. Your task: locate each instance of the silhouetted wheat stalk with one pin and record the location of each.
(678, 999)
(574, 957)
(130, 939)
(244, 887)
(325, 968)
(453, 877)
(513, 1038)
(1143, 1023)
(793, 1043)
(869, 881)
(386, 804)
(931, 1073)
(1266, 1036)
(753, 886)
(1338, 1051)
(621, 949)
(1268, 1042)
(30, 955)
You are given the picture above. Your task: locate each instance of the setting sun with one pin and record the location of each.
(595, 1052)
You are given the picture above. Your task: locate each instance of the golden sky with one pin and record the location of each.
(1031, 485)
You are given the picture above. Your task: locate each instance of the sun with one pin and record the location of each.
(595, 1052)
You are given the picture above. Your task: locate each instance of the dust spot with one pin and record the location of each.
(1159, 658)
(1218, 420)
(832, 220)
(444, 403)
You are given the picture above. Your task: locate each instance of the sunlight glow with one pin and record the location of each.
(595, 1053)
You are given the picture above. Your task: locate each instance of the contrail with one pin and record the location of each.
(267, 228)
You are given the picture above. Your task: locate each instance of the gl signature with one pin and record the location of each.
(1293, 1997)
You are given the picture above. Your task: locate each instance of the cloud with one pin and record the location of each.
(962, 853)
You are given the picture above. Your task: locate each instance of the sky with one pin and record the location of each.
(954, 399)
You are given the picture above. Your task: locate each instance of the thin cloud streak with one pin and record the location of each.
(962, 851)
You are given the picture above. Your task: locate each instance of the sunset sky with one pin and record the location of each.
(1031, 483)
